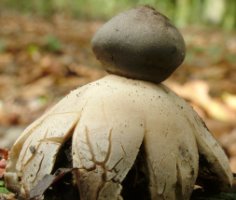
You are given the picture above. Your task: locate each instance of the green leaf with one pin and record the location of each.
(3, 190)
(53, 44)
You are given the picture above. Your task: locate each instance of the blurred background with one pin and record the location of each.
(45, 53)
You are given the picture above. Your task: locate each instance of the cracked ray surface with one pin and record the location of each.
(45, 136)
(104, 148)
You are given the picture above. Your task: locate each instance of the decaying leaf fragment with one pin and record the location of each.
(47, 181)
(3, 158)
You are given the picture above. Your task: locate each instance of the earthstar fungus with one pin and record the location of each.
(123, 118)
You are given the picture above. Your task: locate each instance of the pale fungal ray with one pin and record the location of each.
(106, 142)
(33, 154)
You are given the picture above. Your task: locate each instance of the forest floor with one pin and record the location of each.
(43, 60)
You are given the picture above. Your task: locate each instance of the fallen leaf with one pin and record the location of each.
(3, 154)
(198, 92)
(47, 181)
(230, 100)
